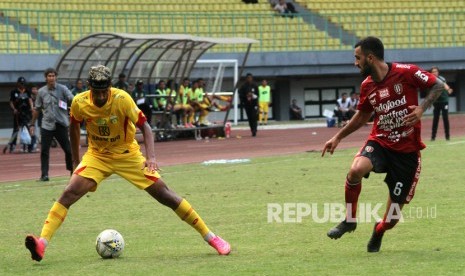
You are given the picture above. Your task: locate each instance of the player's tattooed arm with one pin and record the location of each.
(417, 111)
(432, 95)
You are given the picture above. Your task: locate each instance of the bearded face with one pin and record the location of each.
(362, 62)
(365, 69)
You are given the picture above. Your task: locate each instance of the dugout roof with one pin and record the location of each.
(140, 56)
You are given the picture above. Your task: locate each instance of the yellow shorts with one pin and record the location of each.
(263, 107)
(127, 165)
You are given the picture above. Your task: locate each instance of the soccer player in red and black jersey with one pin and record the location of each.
(390, 90)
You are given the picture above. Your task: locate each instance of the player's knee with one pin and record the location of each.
(390, 224)
(355, 175)
(69, 197)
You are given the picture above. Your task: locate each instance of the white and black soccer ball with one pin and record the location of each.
(109, 244)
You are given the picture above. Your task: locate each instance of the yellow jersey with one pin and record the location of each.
(110, 128)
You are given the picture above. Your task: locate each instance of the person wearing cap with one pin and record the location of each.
(52, 101)
(21, 105)
(111, 118)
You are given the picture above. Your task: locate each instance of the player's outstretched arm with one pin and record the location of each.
(150, 161)
(358, 120)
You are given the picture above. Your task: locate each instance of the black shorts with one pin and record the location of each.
(402, 170)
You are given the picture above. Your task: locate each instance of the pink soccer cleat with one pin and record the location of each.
(36, 246)
(220, 245)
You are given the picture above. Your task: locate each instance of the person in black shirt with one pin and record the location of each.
(248, 95)
(21, 104)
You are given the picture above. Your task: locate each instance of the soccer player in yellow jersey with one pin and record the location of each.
(111, 116)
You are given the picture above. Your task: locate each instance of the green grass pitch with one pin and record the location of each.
(233, 201)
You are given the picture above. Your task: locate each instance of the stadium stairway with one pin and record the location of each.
(323, 24)
(24, 28)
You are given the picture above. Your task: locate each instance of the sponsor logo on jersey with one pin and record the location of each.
(101, 121)
(403, 66)
(398, 88)
(422, 76)
(383, 93)
(407, 132)
(104, 130)
(372, 98)
(385, 107)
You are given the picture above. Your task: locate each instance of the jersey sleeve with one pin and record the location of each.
(74, 111)
(364, 102)
(133, 112)
(421, 78)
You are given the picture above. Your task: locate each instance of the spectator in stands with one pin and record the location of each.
(295, 112)
(21, 105)
(143, 103)
(122, 83)
(78, 87)
(441, 105)
(284, 8)
(342, 110)
(250, 1)
(354, 100)
(264, 91)
(248, 95)
(53, 100)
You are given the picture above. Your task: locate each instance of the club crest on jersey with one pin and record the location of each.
(369, 149)
(398, 88)
(383, 93)
(113, 119)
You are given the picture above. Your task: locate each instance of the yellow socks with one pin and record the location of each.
(54, 219)
(190, 216)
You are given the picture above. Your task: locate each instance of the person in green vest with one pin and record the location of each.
(181, 105)
(441, 105)
(264, 92)
(200, 103)
(159, 102)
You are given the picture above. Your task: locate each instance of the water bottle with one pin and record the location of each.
(227, 129)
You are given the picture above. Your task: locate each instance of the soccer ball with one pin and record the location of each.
(109, 244)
